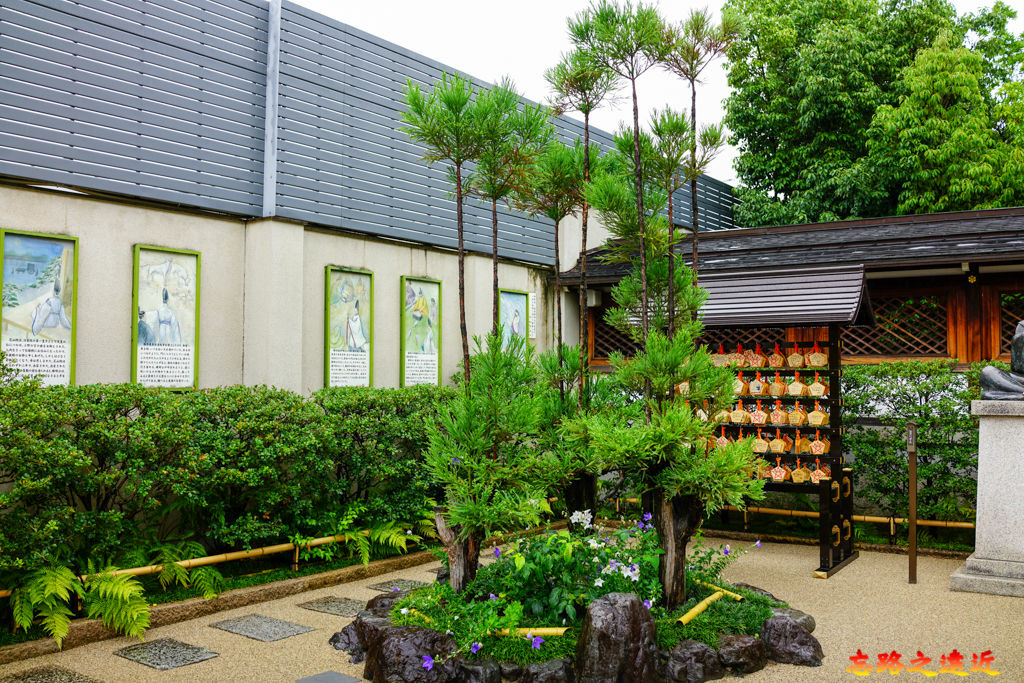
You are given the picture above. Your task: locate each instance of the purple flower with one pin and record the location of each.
(647, 604)
(475, 648)
(394, 590)
(428, 662)
(455, 461)
(535, 643)
(647, 516)
(497, 552)
(757, 544)
(725, 550)
(492, 596)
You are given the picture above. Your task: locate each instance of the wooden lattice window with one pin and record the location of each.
(911, 325)
(1011, 312)
(608, 339)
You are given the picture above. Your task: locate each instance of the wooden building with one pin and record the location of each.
(947, 285)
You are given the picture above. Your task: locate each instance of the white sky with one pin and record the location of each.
(489, 39)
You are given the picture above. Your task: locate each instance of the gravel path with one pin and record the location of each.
(867, 606)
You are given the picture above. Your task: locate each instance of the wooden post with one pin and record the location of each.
(912, 466)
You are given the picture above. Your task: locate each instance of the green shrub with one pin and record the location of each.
(938, 398)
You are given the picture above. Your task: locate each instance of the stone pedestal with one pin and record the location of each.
(997, 564)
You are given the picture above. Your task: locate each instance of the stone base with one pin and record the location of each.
(996, 577)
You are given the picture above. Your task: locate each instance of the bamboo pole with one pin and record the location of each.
(734, 596)
(537, 631)
(856, 518)
(699, 607)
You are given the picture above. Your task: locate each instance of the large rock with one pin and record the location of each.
(755, 589)
(551, 671)
(741, 654)
(511, 671)
(368, 627)
(790, 643)
(396, 654)
(802, 618)
(486, 671)
(348, 639)
(380, 605)
(617, 642)
(692, 661)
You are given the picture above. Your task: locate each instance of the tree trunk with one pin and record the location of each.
(693, 181)
(584, 346)
(494, 263)
(462, 274)
(581, 494)
(558, 313)
(639, 180)
(463, 554)
(676, 520)
(671, 267)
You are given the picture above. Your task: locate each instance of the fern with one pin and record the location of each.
(47, 594)
(118, 600)
(22, 609)
(168, 555)
(208, 581)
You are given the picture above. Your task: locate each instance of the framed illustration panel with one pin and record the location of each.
(39, 280)
(165, 317)
(513, 313)
(421, 332)
(348, 328)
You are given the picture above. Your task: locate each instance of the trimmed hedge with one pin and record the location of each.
(99, 472)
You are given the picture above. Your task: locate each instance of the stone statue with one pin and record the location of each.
(1000, 385)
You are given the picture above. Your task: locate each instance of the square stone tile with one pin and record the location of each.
(259, 627)
(165, 653)
(328, 677)
(398, 584)
(342, 607)
(49, 674)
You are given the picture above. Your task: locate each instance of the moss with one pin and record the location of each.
(722, 616)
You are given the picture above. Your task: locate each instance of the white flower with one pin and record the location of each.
(594, 543)
(404, 610)
(582, 517)
(597, 559)
(599, 582)
(408, 532)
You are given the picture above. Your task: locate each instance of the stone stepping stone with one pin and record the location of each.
(259, 627)
(49, 674)
(165, 653)
(342, 607)
(398, 585)
(328, 677)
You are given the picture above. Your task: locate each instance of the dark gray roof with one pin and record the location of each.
(876, 243)
(791, 296)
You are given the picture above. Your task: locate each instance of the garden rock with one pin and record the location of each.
(755, 589)
(693, 661)
(380, 605)
(551, 671)
(348, 639)
(617, 641)
(511, 671)
(486, 671)
(788, 642)
(396, 656)
(741, 654)
(802, 618)
(369, 627)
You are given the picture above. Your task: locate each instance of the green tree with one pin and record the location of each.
(447, 123)
(581, 84)
(514, 135)
(939, 149)
(692, 46)
(627, 41)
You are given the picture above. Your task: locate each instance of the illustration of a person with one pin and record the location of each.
(168, 330)
(516, 326)
(421, 334)
(355, 331)
(145, 333)
(50, 313)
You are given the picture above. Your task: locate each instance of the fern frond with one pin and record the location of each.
(53, 582)
(208, 580)
(21, 608)
(119, 601)
(56, 619)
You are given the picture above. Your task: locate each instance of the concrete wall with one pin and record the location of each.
(262, 296)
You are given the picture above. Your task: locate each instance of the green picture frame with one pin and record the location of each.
(421, 323)
(164, 335)
(516, 304)
(10, 295)
(331, 326)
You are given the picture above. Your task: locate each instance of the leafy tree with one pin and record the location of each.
(513, 136)
(581, 84)
(693, 45)
(447, 123)
(483, 453)
(628, 41)
(938, 150)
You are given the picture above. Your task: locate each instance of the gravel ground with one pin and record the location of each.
(867, 606)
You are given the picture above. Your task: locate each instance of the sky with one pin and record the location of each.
(489, 40)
